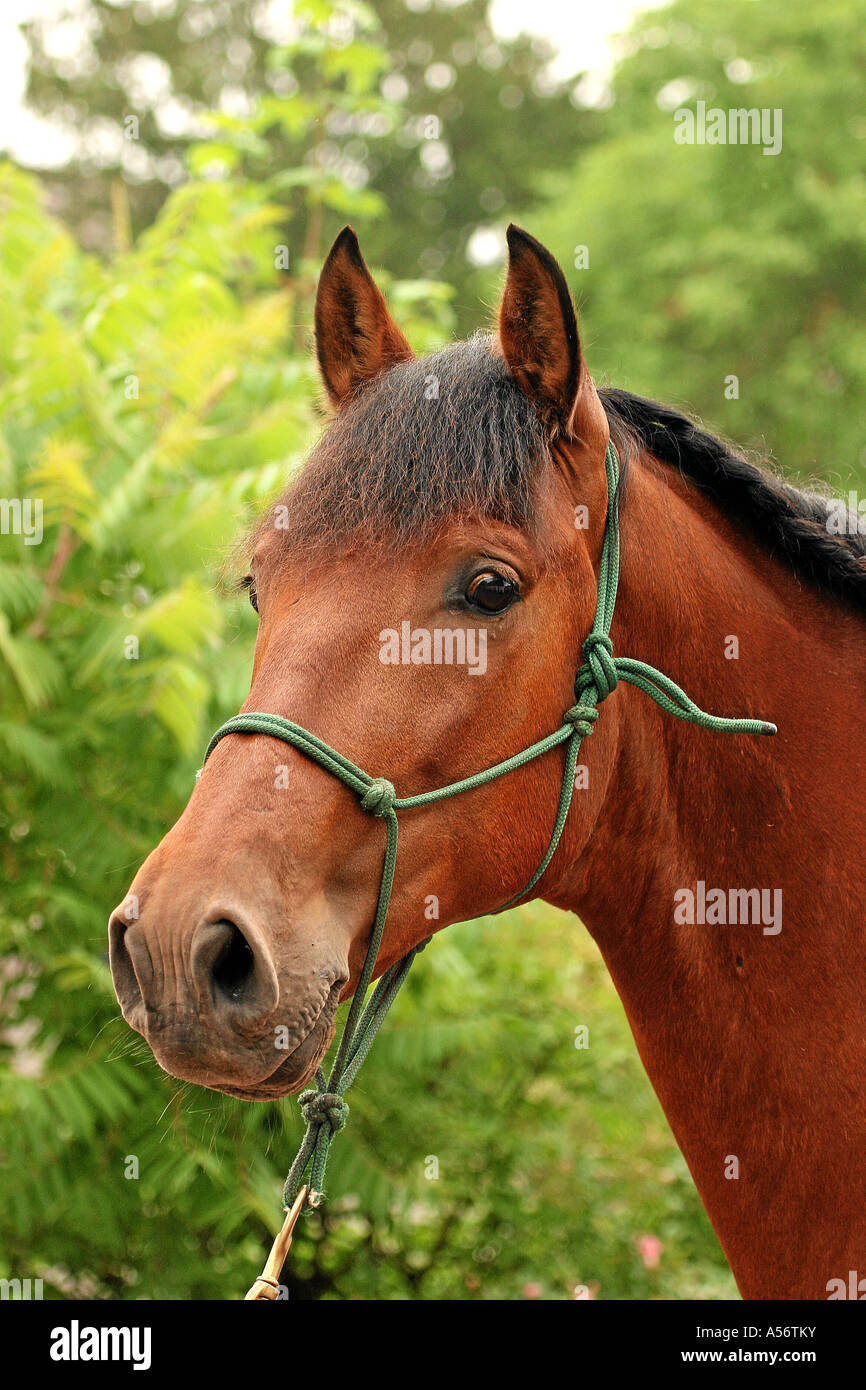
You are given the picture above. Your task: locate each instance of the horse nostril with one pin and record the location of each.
(127, 985)
(237, 975)
(234, 965)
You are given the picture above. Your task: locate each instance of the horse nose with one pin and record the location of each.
(225, 976)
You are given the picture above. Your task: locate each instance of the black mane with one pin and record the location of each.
(789, 523)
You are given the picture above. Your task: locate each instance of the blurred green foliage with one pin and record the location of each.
(707, 261)
(428, 117)
(154, 397)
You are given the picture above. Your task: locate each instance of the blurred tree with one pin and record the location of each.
(720, 277)
(417, 102)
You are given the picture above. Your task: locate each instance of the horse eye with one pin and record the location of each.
(249, 584)
(491, 592)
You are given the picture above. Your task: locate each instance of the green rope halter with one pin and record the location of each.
(323, 1107)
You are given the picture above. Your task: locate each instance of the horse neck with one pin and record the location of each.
(754, 1040)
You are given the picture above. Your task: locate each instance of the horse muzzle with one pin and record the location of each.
(213, 1009)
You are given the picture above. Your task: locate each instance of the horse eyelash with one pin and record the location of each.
(248, 584)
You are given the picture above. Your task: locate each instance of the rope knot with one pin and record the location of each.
(599, 668)
(581, 718)
(323, 1107)
(379, 797)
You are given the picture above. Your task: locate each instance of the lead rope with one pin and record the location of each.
(323, 1107)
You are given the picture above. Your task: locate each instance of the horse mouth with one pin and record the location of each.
(298, 1066)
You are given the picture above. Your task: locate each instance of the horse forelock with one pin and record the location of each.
(443, 436)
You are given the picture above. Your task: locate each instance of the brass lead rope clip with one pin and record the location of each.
(267, 1286)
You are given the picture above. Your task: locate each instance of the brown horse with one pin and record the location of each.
(465, 494)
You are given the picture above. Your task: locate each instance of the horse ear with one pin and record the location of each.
(355, 335)
(538, 330)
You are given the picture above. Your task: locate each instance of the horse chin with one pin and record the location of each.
(236, 1073)
(298, 1069)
